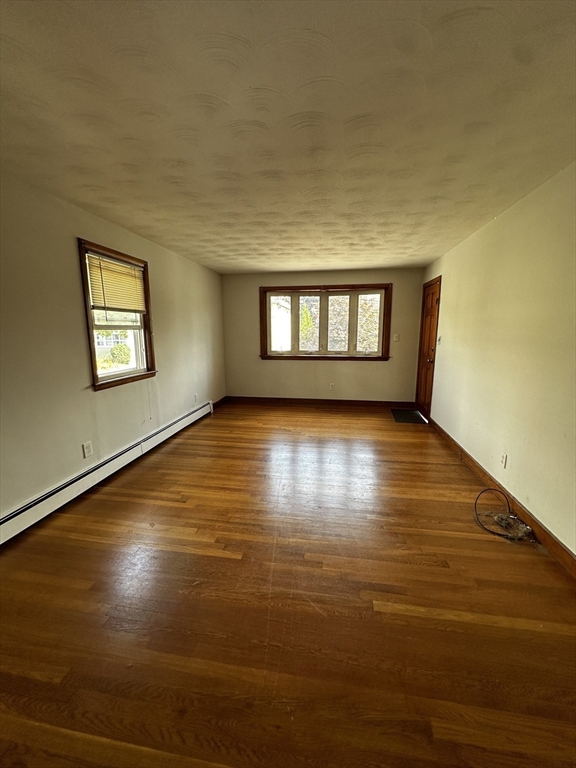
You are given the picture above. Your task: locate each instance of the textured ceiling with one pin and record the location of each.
(274, 135)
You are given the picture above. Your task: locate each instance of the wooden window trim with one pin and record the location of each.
(386, 319)
(85, 247)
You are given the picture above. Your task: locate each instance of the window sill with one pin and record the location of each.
(108, 383)
(357, 358)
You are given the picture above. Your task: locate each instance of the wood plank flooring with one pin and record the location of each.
(285, 587)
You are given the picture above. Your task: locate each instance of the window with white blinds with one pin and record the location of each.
(117, 299)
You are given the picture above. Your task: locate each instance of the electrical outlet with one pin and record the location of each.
(87, 449)
(396, 337)
(439, 340)
(195, 398)
(504, 459)
(332, 387)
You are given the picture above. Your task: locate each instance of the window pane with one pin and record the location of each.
(338, 321)
(280, 323)
(309, 324)
(119, 351)
(368, 322)
(109, 317)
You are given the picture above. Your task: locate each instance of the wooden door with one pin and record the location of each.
(427, 351)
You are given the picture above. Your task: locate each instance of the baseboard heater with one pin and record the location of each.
(34, 510)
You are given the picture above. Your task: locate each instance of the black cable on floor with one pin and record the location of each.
(524, 531)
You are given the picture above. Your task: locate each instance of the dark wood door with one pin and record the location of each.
(427, 351)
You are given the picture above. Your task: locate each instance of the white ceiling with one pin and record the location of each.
(271, 135)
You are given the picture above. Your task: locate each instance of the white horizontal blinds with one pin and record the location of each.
(115, 285)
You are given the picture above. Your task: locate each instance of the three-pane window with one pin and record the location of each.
(345, 322)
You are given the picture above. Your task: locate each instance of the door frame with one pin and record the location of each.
(436, 280)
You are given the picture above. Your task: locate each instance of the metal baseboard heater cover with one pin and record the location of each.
(36, 509)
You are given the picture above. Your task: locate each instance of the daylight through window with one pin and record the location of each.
(337, 322)
(118, 315)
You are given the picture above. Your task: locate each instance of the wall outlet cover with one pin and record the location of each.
(87, 449)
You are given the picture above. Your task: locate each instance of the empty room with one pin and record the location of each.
(288, 393)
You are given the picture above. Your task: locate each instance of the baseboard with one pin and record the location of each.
(36, 509)
(555, 547)
(315, 401)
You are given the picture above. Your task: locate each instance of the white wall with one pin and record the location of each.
(48, 405)
(504, 378)
(249, 376)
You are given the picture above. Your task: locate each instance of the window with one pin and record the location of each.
(342, 322)
(117, 299)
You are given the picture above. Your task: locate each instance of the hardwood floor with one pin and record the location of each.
(285, 587)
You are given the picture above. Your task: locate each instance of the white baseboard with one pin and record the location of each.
(36, 509)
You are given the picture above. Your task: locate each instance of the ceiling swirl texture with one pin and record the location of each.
(288, 135)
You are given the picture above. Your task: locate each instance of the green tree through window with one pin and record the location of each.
(339, 322)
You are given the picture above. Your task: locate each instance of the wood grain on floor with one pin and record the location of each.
(288, 586)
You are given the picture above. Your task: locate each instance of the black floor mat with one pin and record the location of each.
(406, 416)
